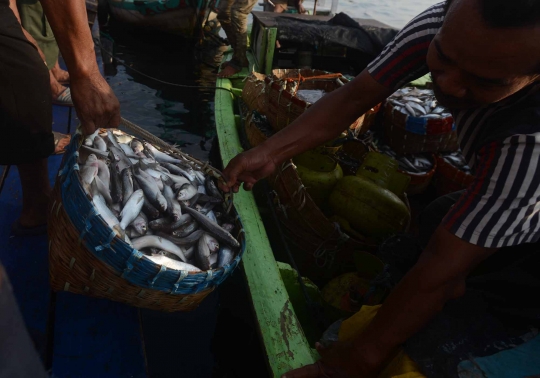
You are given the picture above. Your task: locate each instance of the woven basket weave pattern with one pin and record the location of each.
(87, 258)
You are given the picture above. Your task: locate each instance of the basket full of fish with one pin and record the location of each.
(419, 167)
(137, 221)
(414, 122)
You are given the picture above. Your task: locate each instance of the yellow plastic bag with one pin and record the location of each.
(401, 365)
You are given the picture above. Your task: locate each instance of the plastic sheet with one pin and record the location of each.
(341, 30)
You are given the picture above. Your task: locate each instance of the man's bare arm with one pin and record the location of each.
(437, 277)
(94, 100)
(322, 122)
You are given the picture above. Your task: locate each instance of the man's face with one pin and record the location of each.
(474, 65)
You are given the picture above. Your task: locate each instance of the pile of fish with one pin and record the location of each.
(416, 164)
(457, 160)
(165, 207)
(418, 103)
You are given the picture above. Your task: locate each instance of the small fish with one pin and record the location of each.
(140, 224)
(158, 242)
(225, 256)
(212, 189)
(89, 140)
(228, 227)
(161, 156)
(112, 139)
(105, 212)
(172, 264)
(100, 144)
(186, 241)
(201, 189)
(103, 190)
(212, 227)
(89, 170)
(187, 192)
(103, 173)
(410, 110)
(185, 230)
(124, 138)
(137, 146)
(116, 185)
(127, 184)
(179, 171)
(206, 246)
(132, 208)
(151, 191)
(173, 207)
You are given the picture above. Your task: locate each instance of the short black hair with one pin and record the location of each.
(508, 14)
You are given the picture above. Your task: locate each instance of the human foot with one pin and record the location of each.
(60, 142)
(60, 75)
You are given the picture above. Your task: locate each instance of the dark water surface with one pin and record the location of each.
(220, 338)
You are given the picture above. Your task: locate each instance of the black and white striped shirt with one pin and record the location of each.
(500, 141)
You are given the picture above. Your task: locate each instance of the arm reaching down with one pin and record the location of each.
(323, 121)
(94, 100)
(437, 277)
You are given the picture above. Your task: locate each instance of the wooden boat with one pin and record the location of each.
(171, 16)
(277, 300)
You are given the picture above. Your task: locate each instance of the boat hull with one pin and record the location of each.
(172, 16)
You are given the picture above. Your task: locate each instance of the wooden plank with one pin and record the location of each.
(271, 36)
(284, 341)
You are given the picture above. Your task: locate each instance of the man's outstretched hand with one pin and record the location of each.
(248, 168)
(95, 102)
(340, 360)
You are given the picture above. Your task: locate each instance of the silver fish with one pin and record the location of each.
(187, 192)
(179, 171)
(228, 227)
(203, 252)
(124, 138)
(225, 256)
(185, 230)
(186, 241)
(140, 224)
(105, 212)
(103, 190)
(127, 184)
(212, 189)
(89, 170)
(161, 156)
(151, 191)
(158, 242)
(172, 264)
(112, 139)
(103, 173)
(173, 207)
(132, 208)
(100, 144)
(89, 140)
(212, 227)
(136, 146)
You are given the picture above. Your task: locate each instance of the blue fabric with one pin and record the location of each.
(522, 361)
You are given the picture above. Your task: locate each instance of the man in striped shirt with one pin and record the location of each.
(481, 264)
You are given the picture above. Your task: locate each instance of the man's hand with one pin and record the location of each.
(341, 360)
(248, 168)
(95, 102)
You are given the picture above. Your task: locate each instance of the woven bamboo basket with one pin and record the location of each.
(254, 92)
(87, 258)
(283, 106)
(412, 135)
(419, 183)
(367, 121)
(325, 250)
(449, 179)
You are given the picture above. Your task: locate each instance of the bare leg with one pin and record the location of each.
(36, 192)
(59, 73)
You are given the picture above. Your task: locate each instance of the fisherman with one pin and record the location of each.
(474, 290)
(233, 14)
(25, 100)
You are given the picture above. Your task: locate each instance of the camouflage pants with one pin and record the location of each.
(233, 14)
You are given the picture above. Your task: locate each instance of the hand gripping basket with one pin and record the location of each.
(87, 258)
